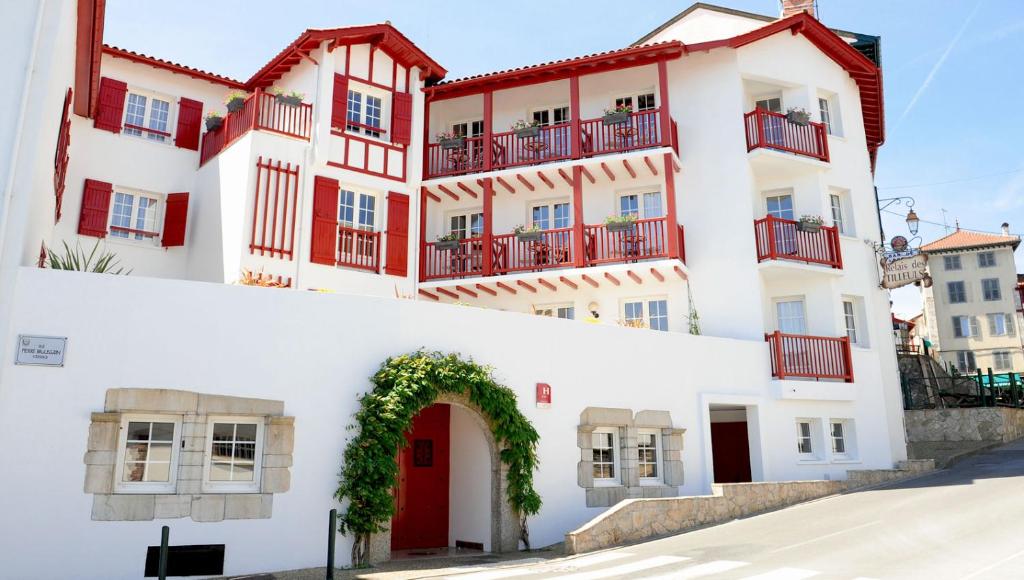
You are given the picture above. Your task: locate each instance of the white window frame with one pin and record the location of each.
(962, 361)
(550, 110)
(552, 310)
(158, 222)
(233, 486)
(830, 115)
(845, 222)
(658, 458)
(849, 439)
(385, 112)
(779, 194)
(1002, 360)
(1007, 324)
(767, 98)
(466, 213)
(947, 261)
(997, 295)
(634, 99)
(992, 264)
(646, 310)
(786, 299)
(949, 291)
(357, 197)
(850, 320)
(616, 462)
(973, 328)
(550, 203)
(641, 207)
(151, 487)
(810, 455)
(469, 127)
(172, 115)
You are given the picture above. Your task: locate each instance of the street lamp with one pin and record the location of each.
(912, 222)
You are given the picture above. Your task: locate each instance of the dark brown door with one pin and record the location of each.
(730, 452)
(421, 500)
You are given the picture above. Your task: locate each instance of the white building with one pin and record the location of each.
(793, 375)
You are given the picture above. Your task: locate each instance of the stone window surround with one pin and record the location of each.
(189, 499)
(628, 425)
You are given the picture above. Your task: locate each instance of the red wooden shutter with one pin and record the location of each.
(397, 263)
(110, 105)
(175, 217)
(339, 103)
(190, 117)
(401, 119)
(325, 221)
(92, 221)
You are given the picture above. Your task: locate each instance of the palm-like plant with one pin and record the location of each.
(79, 261)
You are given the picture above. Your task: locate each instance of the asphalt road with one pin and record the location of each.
(963, 523)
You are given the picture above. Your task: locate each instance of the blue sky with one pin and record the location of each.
(953, 84)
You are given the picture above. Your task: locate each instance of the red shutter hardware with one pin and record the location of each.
(92, 221)
(325, 221)
(175, 218)
(401, 119)
(190, 117)
(397, 235)
(110, 108)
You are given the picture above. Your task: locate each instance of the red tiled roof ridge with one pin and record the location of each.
(963, 238)
(174, 66)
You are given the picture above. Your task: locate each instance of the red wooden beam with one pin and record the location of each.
(429, 295)
(547, 284)
(650, 165)
(590, 281)
(431, 195)
(629, 168)
(587, 172)
(634, 277)
(565, 176)
(505, 287)
(448, 293)
(505, 184)
(527, 286)
(466, 291)
(657, 275)
(545, 179)
(466, 188)
(679, 271)
(568, 282)
(613, 279)
(607, 171)
(449, 192)
(524, 181)
(483, 288)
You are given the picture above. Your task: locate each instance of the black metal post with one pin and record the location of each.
(1014, 396)
(991, 387)
(332, 533)
(165, 536)
(981, 390)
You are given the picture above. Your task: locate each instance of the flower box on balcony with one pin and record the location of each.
(626, 223)
(214, 122)
(453, 143)
(810, 224)
(235, 101)
(616, 118)
(798, 117)
(447, 242)
(289, 100)
(530, 236)
(527, 132)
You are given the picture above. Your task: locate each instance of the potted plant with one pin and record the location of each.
(449, 140)
(235, 101)
(523, 130)
(528, 234)
(449, 241)
(617, 115)
(291, 99)
(214, 120)
(620, 223)
(810, 224)
(798, 116)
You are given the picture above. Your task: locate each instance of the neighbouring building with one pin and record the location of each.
(652, 195)
(972, 308)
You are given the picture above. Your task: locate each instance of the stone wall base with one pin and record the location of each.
(1001, 424)
(634, 520)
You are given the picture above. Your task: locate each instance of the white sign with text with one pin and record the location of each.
(41, 350)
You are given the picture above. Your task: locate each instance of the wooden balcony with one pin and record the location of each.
(769, 130)
(648, 240)
(780, 239)
(810, 357)
(552, 143)
(358, 249)
(261, 112)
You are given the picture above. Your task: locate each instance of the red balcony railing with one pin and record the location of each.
(646, 240)
(642, 130)
(260, 112)
(813, 357)
(358, 249)
(553, 249)
(773, 131)
(780, 239)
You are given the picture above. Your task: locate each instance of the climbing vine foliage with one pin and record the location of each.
(402, 387)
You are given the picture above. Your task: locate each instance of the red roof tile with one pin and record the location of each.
(966, 239)
(171, 66)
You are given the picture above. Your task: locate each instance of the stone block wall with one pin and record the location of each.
(634, 520)
(188, 498)
(975, 424)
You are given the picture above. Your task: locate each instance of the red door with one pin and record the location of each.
(421, 500)
(730, 452)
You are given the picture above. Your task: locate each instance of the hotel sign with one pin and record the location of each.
(905, 270)
(45, 351)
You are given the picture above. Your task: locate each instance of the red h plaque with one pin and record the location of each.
(543, 395)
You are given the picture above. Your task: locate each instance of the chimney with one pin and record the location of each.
(1006, 229)
(791, 7)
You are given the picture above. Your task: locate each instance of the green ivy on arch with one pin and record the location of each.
(402, 387)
